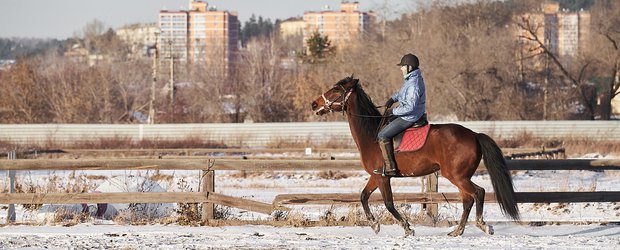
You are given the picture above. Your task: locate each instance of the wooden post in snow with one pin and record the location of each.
(430, 187)
(208, 186)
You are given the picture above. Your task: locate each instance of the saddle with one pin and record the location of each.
(414, 137)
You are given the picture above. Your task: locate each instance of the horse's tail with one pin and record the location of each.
(500, 176)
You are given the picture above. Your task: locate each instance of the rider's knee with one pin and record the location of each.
(383, 138)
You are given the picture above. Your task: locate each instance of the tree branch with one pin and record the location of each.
(613, 42)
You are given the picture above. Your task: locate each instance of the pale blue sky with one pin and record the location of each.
(62, 18)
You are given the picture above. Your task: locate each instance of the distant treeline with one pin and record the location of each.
(11, 48)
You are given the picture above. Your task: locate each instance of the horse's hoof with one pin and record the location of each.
(376, 227)
(487, 229)
(409, 233)
(456, 232)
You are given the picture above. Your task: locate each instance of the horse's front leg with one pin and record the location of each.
(371, 186)
(388, 200)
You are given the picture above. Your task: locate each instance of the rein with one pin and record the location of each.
(370, 116)
(347, 93)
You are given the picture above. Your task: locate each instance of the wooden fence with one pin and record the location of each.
(208, 196)
(252, 153)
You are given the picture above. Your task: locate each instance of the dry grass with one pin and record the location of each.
(242, 174)
(335, 143)
(583, 146)
(188, 214)
(67, 219)
(53, 184)
(116, 142)
(296, 219)
(159, 177)
(19, 188)
(332, 175)
(527, 140)
(573, 146)
(96, 177)
(285, 143)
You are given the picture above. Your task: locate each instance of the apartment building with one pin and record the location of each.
(341, 27)
(564, 33)
(199, 34)
(138, 37)
(174, 35)
(292, 27)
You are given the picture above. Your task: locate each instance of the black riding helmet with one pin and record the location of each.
(411, 60)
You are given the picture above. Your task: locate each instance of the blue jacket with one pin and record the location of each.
(411, 97)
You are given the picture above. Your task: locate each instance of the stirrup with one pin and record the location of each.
(384, 173)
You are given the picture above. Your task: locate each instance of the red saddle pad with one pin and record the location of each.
(414, 138)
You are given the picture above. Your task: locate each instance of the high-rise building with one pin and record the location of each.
(341, 26)
(199, 34)
(173, 38)
(564, 33)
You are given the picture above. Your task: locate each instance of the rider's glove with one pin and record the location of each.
(389, 103)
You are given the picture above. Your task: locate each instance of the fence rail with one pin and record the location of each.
(268, 165)
(265, 153)
(208, 196)
(522, 197)
(262, 134)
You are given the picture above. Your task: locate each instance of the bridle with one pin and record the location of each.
(346, 93)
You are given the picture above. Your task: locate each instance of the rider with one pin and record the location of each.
(412, 100)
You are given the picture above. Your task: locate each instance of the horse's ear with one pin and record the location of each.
(351, 76)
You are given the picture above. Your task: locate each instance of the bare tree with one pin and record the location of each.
(571, 84)
(605, 51)
(23, 99)
(269, 86)
(466, 59)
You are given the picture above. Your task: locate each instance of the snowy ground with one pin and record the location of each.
(508, 236)
(265, 186)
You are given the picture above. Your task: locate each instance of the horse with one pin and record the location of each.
(452, 149)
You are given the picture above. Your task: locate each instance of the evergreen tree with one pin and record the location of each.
(318, 46)
(255, 27)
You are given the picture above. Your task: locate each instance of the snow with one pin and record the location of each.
(584, 225)
(508, 236)
(134, 184)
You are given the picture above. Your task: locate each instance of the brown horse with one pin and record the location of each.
(450, 148)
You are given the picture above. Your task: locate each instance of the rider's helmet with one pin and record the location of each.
(411, 60)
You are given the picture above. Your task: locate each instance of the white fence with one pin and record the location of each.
(261, 134)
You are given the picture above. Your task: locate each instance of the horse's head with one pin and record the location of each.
(335, 99)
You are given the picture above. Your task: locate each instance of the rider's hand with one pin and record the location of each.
(389, 103)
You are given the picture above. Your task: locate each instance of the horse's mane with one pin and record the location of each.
(368, 117)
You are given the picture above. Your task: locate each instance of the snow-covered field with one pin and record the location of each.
(586, 229)
(508, 236)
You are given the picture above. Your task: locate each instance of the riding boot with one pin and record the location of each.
(389, 161)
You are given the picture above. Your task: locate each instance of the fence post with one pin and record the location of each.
(11, 213)
(208, 185)
(431, 186)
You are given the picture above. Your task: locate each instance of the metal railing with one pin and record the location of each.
(262, 134)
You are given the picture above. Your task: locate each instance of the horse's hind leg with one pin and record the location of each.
(467, 191)
(371, 186)
(388, 200)
(479, 198)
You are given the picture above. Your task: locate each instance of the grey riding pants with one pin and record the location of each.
(393, 128)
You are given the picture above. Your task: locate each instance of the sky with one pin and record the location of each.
(66, 18)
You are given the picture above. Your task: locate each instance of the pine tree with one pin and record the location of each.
(318, 47)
